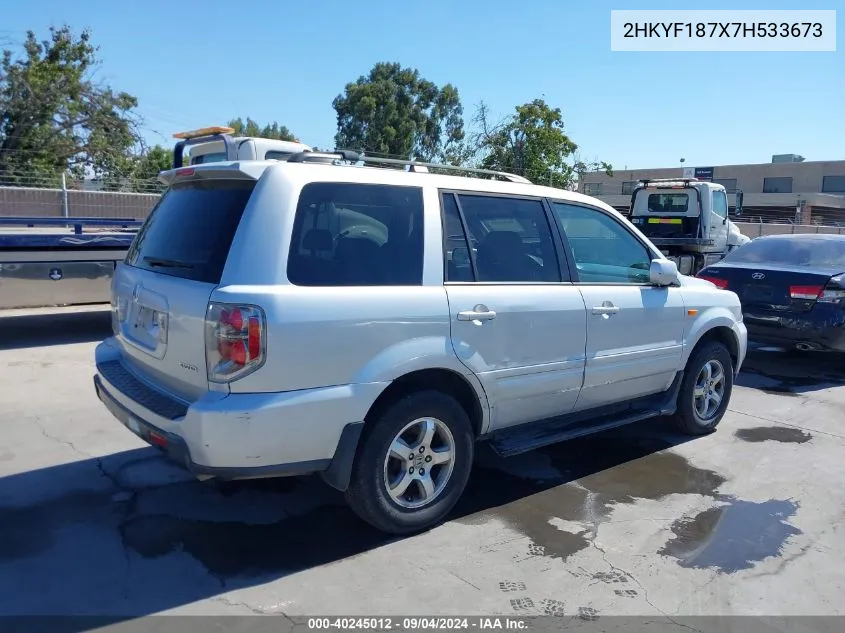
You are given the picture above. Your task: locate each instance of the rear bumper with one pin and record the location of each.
(826, 333)
(238, 436)
(176, 448)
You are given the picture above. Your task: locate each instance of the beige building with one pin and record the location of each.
(787, 189)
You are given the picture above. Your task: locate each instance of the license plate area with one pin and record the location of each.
(146, 324)
(757, 293)
(133, 425)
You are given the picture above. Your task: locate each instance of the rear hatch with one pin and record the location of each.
(161, 292)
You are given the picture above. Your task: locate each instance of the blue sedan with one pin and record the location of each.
(792, 289)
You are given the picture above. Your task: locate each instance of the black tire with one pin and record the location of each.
(367, 494)
(687, 418)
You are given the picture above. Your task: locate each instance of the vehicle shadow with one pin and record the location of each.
(774, 370)
(54, 328)
(129, 535)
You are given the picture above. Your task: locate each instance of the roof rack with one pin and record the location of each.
(413, 165)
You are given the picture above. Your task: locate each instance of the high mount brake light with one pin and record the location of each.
(235, 341)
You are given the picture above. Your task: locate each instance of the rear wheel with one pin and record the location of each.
(705, 390)
(413, 463)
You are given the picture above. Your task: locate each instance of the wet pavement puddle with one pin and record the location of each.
(596, 475)
(733, 536)
(585, 480)
(784, 434)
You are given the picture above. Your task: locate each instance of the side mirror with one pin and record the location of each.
(663, 272)
(738, 204)
(460, 256)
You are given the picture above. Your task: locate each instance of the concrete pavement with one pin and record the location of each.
(635, 522)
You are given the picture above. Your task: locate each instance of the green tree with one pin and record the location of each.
(250, 128)
(395, 111)
(54, 116)
(531, 143)
(147, 168)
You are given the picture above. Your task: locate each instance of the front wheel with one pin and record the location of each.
(413, 463)
(705, 390)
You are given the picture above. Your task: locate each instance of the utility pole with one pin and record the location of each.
(65, 209)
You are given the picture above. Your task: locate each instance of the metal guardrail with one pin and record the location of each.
(76, 223)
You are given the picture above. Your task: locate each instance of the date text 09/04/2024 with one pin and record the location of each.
(723, 29)
(417, 623)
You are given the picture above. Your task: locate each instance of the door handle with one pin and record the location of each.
(479, 313)
(606, 308)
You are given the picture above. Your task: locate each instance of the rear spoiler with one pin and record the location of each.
(245, 170)
(205, 135)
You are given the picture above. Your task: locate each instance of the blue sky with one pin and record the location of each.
(193, 64)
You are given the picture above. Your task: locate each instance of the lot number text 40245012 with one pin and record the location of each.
(418, 623)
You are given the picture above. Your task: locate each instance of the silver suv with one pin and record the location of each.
(321, 315)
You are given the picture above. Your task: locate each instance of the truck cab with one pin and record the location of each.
(217, 144)
(688, 220)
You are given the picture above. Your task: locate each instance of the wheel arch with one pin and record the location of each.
(467, 392)
(721, 334)
(471, 397)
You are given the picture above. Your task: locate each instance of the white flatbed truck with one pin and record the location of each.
(688, 220)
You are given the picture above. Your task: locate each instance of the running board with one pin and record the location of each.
(528, 437)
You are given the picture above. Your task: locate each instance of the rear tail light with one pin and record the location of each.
(810, 293)
(235, 341)
(719, 283)
(832, 295)
(157, 439)
(834, 292)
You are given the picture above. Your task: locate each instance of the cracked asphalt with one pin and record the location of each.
(640, 521)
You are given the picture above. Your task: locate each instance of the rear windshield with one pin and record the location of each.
(348, 234)
(668, 202)
(809, 252)
(190, 230)
(213, 157)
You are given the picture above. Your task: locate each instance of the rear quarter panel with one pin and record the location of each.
(329, 336)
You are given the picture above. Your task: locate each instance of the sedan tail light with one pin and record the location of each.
(834, 292)
(810, 293)
(719, 283)
(235, 341)
(832, 296)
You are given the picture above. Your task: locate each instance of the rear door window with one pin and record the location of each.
(510, 238)
(350, 234)
(190, 230)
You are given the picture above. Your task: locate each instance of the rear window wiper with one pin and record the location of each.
(166, 263)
